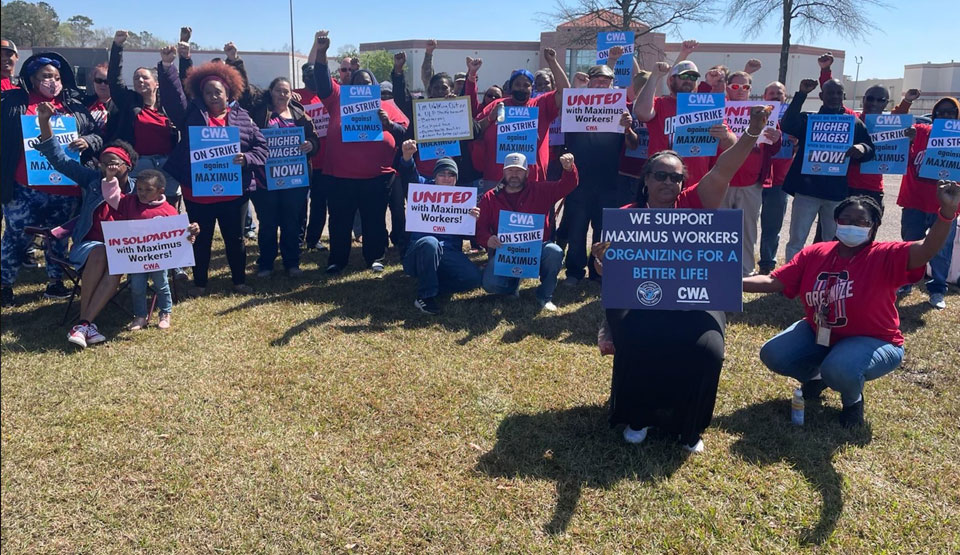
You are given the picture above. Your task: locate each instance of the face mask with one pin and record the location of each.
(520, 96)
(853, 235)
(49, 88)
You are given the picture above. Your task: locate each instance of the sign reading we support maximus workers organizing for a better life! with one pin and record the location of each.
(624, 39)
(593, 110)
(439, 124)
(138, 246)
(891, 146)
(673, 259)
(941, 160)
(359, 122)
(212, 169)
(522, 238)
(441, 209)
(518, 132)
(696, 114)
(39, 171)
(286, 166)
(829, 137)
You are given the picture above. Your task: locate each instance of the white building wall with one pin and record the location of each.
(497, 64)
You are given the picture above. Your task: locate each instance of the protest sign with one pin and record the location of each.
(39, 171)
(359, 118)
(696, 114)
(829, 137)
(522, 238)
(891, 146)
(434, 150)
(670, 259)
(624, 66)
(786, 147)
(286, 166)
(737, 116)
(518, 132)
(139, 246)
(643, 141)
(556, 134)
(442, 119)
(320, 116)
(593, 110)
(213, 172)
(942, 157)
(441, 209)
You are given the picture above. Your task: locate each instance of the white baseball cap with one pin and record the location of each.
(515, 160)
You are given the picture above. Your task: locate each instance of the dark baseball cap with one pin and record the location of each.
(6, 44)
(600, 71)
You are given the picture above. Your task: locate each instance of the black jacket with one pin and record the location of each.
(129, 103)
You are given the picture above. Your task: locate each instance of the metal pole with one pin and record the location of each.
(293, 59)
(859, 60)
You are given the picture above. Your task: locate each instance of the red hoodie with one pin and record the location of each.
(548, 111)
(538, 197)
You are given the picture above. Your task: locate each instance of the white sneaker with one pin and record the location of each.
(93, 335)
(78, 335)
(696, 447)
(377, 267)
(635, 436)
(548, 306)
(937, 301)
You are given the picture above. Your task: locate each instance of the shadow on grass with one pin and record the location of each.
(767, 437)
(575, 448)
(768, 310)
(913, 317)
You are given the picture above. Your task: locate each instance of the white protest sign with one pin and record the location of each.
(593, 110)
(320, 116)
(737, 115)
(140, 246)
(441, 209)
(442, 119)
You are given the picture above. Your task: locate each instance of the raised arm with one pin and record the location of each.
(321, 71)
(51, 149)
(426, 69)
(904, 106)
(825, 61)
(401, 97)
(470, 85)
(115, 66)
(713, 186)
(686, 48)
(172, 98)
(643, 105)
(921, 252)
(560, 79)
(408, 169)
(793, 122)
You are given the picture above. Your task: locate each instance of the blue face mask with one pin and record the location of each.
(852, 235)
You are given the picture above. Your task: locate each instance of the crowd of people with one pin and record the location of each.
(134, 163)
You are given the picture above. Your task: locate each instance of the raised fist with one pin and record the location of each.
(911, 95)
(186, 33)
(825, 61)
(807, 86)
(689, 45)
(322, 40)
(661, 69)
(753, 65)
(168, 54)
(550, 55)
(473, 65)
(120, 37)
(408, 149)
(431, 46)
(566, 160)
(230, 50)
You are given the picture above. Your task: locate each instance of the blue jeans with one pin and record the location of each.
(138, 288)
(551, 259)
(772, 208)
(913, 227)
(30, 207)
(844, 367)
(439, 269)
(804, 212)
(281, 209)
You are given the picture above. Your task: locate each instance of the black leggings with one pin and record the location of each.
(229, 216)
(345, 197)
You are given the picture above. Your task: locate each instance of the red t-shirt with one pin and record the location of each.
(20, 174)
(548, 111)
(861, 291)
(308, 97)
(102, 213)
(130, 208)
(188, 191)
(688, 198)
(6, 84)
(151, 134)
(756, 168)
(918, 192)
(666, 107)
(99, 112)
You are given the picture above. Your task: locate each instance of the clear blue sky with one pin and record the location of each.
(908, 32)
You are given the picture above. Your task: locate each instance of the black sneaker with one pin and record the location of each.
(764, 270)
(852, 416)
(6, 296)
(813, 389)
(56, 290)
(428, 305)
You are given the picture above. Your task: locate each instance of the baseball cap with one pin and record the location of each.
(515, 160)
(685, 66)
(460, 76)
(386, 86)
(600, 71)
(6, 44)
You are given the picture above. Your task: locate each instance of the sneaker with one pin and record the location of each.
(428, 305)
(93, 335)
(138, 324)
(179, 274)
(377, 267)
(904, 291)
(294, 272)
(853, 415)
(264, 273)
(635, 436)
(765, 270)
(571, 281)
(250, 234)
(32, 258)
(242, 289)
(548, 306)
(56, 290)
(320, 247)
(694, 447)
(78, 335)
(6, 296)
(164, 322)
(812, 389)
(937, 301)
(334, 269)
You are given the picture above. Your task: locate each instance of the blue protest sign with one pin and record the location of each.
(359, 121)
(212, 170)
(624, 66)
(286, 166)
(891, 146)
(643, 141)
(829, 137)
(39, 171)
(696, 114)
(518, 133)
(942, 157)
(670, 259)
(786, 147)
(522, 238)
(434, 150)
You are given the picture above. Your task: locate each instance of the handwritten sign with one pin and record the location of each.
(522, 238)
(441, 209)
(446, 119)
(359, 119)
(39, 171)
(624, 67)
(829, 137)
(139, 246)
(212, 170)
(286, 166)
(593, 110)
(518, 133)
(942, 157)
(696, 114)
(891, 146)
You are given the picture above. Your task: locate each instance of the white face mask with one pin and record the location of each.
(49, 88)
(853, 235)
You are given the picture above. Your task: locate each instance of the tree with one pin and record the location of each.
(639, 16)
(29, 25)
(81, 27)
(846, 18)
(379, 62)
(348, 51)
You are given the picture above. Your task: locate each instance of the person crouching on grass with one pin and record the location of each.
(148, 202)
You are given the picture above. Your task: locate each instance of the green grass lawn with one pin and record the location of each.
(328, 415)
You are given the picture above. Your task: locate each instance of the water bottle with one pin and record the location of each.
(501, 113)
(796, 407)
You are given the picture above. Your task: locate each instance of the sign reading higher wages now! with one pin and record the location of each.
(522, 238)
(593, 110)
(359, 121)
(441, 209)
(941, 160)
(286, 166)
(518, 132)
(829, 137)
(39, 171)
(891, 146)
(696, 114)
(212, 170)
(671, 259)
(138, 246)
(606, 40)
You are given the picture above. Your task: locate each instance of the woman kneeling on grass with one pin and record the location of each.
(667, 363)
(851, 331)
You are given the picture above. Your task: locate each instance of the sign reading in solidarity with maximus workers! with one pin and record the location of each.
(829, 137)
(672, 259)
(518, 132)
(138, 246)
(606, 40)
(441, 209)
(891, 146)
(593, 110)
(359, 122)
(39, 171)
(212, 169)
(522, 238)
(941, 160)
(696, 114)
(286, 166)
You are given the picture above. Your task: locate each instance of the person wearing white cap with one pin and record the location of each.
(515, 193)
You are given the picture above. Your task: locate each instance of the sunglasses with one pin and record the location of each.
(737, 86)
(344, 70)
(100, 81)
(869, 98)
(687, 77)
(676, 178)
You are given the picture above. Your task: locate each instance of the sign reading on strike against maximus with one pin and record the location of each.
(624, 39)
(673, 259)
(39, 171)
(359, 121)
(442, 119)
(139, 246)
(891, 146)
(522, 238)
(696, 114)
(441, 209)
(941, 160)
(593, 110)
(518, 132)
(212, 170)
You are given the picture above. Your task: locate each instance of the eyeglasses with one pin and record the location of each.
(870, 98)
(738, 86)
(687, 76)
(100, 81)
(344, 70)
(676, 178)
(945, 113)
